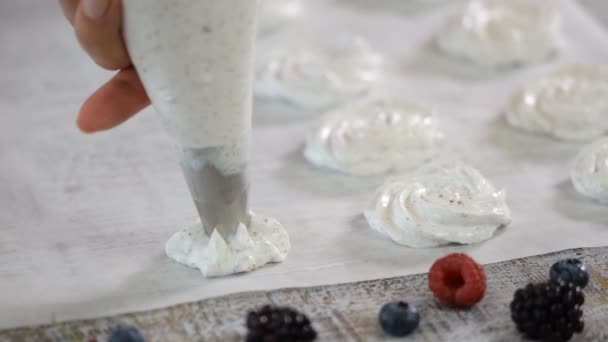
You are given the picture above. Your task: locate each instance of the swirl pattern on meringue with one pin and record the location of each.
(570, 104)
(321, 77)
(589, 173)
(503, 33)
(448, 205)
(375, 137)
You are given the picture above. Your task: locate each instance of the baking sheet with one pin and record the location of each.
(83, 219)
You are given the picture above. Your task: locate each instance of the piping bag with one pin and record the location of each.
(195, 59)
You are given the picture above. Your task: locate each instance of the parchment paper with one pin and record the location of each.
(83, 219)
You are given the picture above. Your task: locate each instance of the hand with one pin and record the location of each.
(97, 24)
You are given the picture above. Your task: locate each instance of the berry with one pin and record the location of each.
(278, 324)
(398, 318)
(457, 280)
(548, 311)
(570, 271)
(126, 334)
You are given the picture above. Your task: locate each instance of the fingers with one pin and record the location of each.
(69, 8)
(98, 28)
(114, 103)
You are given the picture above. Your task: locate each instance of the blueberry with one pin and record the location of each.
(398, 318)
(126, 334)
(570, 271)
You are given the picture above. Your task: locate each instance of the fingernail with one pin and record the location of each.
(94, 9)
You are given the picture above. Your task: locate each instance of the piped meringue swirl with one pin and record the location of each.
(263, 241)
(502, 33)
(375, 137)
(570, 103)
(589, 173)
(447, 205)
(316, 78)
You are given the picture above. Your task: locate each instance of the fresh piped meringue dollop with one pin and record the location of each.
(264, 241)
(502, 33)
(447, 205)
(590, 171)
(374, 137)
(275, 13)
(315, 78)
(570, 103)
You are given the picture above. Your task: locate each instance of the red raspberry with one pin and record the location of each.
(457, 280)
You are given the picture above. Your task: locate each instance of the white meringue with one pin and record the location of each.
(570, 103)
(316, 78)
(589, 173)
(264, 241)
(375, 137)
(448, 205)
(500, 33)
(275, 13)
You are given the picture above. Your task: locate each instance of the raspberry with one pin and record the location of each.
(457, 280)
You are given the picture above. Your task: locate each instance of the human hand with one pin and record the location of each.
(98, 27)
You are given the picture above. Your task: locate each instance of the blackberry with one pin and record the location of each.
(570, 271)
(278, 324)
(548, 311)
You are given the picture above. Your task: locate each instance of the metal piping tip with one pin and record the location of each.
(220, 199)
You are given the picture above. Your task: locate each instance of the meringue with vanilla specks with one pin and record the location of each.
(263, 241)
(320, 77)
(276, 13)
(448, 205)
(503, 33)
(589, 174)
(570, 104)
(375, 137)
